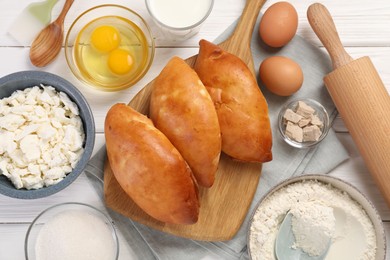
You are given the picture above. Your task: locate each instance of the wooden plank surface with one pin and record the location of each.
(364, 27)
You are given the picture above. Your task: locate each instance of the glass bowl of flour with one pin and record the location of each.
(70, 231)
(327, 207)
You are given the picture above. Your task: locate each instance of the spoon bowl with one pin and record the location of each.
(284, 244)
(48, 43)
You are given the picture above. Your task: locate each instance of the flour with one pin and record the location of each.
(313, 227)
(75, 235)
(350, 228)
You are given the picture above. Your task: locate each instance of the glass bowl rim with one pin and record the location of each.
(127, 84)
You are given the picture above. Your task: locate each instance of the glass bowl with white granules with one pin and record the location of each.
(70, 231)
(303, 123)
(47, 134)
(333, 209)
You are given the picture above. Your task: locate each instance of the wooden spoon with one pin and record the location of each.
(48, 43)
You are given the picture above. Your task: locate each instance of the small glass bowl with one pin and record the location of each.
(179, 33)
(125, 18)
(92, 216)
(320, 111)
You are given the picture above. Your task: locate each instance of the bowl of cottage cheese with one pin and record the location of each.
(323, 209)
(47, 134)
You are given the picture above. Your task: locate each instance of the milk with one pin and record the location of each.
(180, 13)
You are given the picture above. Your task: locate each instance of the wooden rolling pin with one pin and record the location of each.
(360, 97)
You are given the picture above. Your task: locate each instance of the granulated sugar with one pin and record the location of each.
(75, 235)
(352, 232)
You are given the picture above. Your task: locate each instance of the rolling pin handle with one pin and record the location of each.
(322, 24)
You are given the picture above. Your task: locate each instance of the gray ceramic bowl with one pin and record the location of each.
(349, 189)
(26, 79)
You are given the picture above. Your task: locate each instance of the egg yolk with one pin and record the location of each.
(120, 61)
(105, 38)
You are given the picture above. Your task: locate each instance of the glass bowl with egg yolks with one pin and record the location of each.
(109, 47)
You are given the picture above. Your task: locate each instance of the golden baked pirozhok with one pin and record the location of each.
(182, 109)
(241, 107)
(149, 168)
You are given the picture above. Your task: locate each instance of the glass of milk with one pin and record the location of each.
(179, 19)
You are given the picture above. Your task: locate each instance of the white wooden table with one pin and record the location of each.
(363, 25)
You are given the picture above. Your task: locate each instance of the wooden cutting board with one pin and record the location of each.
(224, 206)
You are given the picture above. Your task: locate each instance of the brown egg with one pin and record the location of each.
(278, 24)
(281, 75)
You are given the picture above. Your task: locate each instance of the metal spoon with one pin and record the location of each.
(48, 43)
(284, 241)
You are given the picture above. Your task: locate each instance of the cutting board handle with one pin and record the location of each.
(322, 23)
(239, 41)
(244, 28)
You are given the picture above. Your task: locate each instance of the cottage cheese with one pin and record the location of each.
(41, 137)
(352, 232)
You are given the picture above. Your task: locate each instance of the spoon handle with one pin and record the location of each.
(65, 9)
